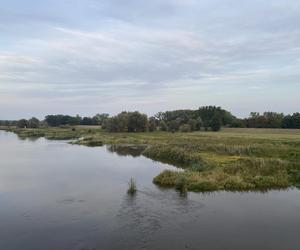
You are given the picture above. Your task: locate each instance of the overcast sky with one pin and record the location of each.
(93, 56)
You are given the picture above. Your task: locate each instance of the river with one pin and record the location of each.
(57, 196)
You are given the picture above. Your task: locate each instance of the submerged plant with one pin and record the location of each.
(131, 187)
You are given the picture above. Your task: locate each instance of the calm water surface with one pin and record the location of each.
(56, 196)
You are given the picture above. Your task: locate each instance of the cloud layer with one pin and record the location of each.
(106, 56)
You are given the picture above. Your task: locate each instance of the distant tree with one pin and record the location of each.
(199, 123)
(118, 123)
(137, 122)
(127, 122)
(274, 120)
(208, 113)
(195, 118)
(99, 119)
(291, 121)
(238, 123)
(193, 123)
(159, 116)
(215, 123)
(58, 120)
(174, 125)
(254, 115)
(87, 121)
(152, 125)
(163, 126)
(22, 123)
(266, 120)
(33, 123)
(8, 123)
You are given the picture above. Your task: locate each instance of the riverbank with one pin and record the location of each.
(232, 159)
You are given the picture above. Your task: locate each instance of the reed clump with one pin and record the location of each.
(131, 187)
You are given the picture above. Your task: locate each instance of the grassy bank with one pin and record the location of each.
(232, 159)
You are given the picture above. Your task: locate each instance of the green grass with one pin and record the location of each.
(232, 159)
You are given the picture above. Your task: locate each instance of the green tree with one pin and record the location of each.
(33, 123)
(127, 122)
(163, 126)
(137, 122)
(99, 119)
(22, 123)
(193, 123)
(215, 123)
(152, 124)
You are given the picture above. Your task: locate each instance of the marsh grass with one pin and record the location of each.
(131, 187)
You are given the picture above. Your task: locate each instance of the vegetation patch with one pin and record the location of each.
(177, 156)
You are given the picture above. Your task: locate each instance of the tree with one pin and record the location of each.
(174, 125)
(22, 123)
(163, 126)
(207, 113)
(99, 119)
(58, 120)
(254, 115)
(238, 123)
(127, 122)
(193, 123)
(152, 125)
(215, 123)
(274, 120)
(87, 121)
(137, 122)
(33, 123)
(266, 120)
(291, 121)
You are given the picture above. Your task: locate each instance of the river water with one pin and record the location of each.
(57, 196)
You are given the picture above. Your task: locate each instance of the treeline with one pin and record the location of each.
(269, 120)
(204, 118)
(56, 121)
(209, 117)
(60, 120)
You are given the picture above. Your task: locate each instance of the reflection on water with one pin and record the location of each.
(56, 196)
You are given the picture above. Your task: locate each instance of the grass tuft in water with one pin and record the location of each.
(182, 185)
(131, 187)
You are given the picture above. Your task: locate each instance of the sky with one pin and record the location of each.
(105, 56)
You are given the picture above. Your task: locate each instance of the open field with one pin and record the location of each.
(232, 159)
